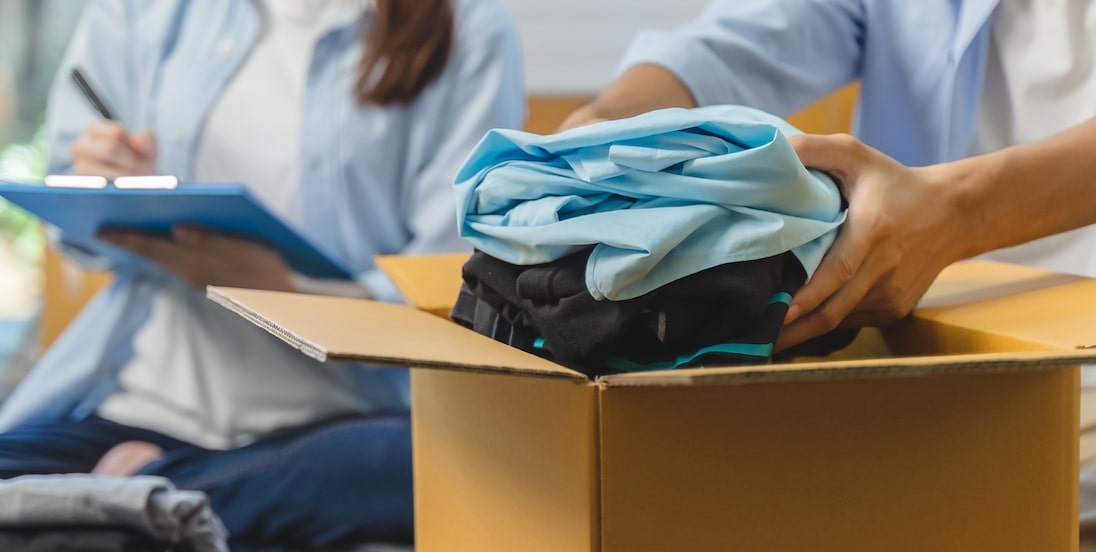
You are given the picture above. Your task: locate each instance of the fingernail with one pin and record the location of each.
(793, 312)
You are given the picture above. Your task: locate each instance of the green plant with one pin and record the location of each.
(23, 162)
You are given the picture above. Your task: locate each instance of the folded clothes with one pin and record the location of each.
(85, 504)
(671, 239)
(724, 315)
(658, 197)
(67, 538)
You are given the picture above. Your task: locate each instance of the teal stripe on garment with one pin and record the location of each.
(781, 297)
(760, 350)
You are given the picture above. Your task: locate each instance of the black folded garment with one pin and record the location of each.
(729, 314)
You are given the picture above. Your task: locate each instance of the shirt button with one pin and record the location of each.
(226, 46)
(177, 135)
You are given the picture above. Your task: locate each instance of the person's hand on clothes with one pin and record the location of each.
(107, 149)
(903, 228)
(203, 257)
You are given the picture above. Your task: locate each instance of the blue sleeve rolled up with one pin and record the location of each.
(659, 197)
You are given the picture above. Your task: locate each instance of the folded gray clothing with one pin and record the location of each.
(149, 504)
(78, 539)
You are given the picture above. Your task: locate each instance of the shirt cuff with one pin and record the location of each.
(370, 285)
(380, 287)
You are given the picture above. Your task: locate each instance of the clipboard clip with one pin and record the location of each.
(155, 182)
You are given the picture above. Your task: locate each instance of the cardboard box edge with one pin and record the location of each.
(919, 366)
(312, 350)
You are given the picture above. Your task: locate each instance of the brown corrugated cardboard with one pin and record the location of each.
(962, 438)
(433, 280)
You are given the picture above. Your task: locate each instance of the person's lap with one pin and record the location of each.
(346, 480)
(64, 446)
(342, 481)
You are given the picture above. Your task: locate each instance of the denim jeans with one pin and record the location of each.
(337, 482)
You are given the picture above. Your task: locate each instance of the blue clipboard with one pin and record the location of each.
(80, 212)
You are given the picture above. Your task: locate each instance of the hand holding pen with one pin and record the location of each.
(106, 148)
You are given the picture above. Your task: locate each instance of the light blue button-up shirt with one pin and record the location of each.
(921, 64)
(374, 180)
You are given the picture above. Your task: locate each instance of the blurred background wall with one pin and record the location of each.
(33, 36)
(571, 47)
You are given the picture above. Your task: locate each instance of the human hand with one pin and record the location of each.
(107, 149)
(903, 228)
(202, 257)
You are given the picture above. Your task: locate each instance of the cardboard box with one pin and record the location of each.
(955, 430)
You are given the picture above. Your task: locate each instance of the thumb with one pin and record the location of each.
(837, 154)
(144, 143)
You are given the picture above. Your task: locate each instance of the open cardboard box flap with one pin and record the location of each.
(429, 282)
(333, 329)
(1043, 319)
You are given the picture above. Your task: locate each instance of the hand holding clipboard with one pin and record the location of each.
(204, 233)
(106, 148)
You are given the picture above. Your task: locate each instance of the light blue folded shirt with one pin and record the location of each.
(659, 196)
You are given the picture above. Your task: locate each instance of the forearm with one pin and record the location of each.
(1027, 192)
(642, 88)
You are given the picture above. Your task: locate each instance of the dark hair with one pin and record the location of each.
(405, 51)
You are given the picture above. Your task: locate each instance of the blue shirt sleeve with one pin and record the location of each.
(773, 55)
(101, 47)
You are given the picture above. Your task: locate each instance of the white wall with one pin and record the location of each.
(571, 47)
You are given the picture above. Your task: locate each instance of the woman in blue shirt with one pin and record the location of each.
(347, 118)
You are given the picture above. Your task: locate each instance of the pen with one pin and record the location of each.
(89, 93)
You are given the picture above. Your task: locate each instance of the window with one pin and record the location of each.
(33, 37)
